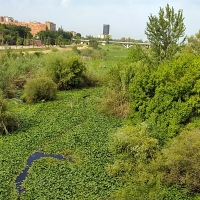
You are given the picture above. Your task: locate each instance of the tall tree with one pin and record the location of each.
(166, 32)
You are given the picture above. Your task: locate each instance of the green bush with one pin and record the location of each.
(95, 54)
(8, 121)
(92, 79)
(167, 98)
(116, 98)
(66, 70)
(39, 89)
(38, 53)
(98, 54)
(75, 50)
(86, 52)
(144, 172)
(134, 150)
(181, 160)
(132, 147)
(93, 43)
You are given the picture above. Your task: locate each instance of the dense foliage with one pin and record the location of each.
(133, 146)
(180, 160)
(116, 98)
(167, 98)
(155, 156)
(143, 178)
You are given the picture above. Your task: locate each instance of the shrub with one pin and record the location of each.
(98, 54)
(66, 71)
(132, 147)
(115, 103)
(167, 98)
(75, 50)
(140, 168)
(8, 122)
(95, 54)
(39, 89)
(86, 52)
(134, 150)
(92, 79)
(181, 160)
(93, 43)
(116, 98)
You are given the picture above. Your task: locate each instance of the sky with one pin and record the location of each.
(127, 18)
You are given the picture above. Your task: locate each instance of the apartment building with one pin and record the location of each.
(6, 19)
(50, 25)
(34, 26)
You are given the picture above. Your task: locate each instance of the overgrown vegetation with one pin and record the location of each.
(160, 85)
(179, 160)
(143, 142)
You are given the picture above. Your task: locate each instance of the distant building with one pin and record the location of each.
(106, 29)
(102, 36)
(6, 19)
(34, 26)
(50, 25)
(73, 33)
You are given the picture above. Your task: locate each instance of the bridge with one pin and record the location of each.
(125, 44)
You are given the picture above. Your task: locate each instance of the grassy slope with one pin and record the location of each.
(71, 126)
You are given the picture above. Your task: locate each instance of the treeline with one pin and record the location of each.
(123, 39)
(59, 37)
(21, 35)
(12, 34)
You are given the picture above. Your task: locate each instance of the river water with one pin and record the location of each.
(30, 160)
